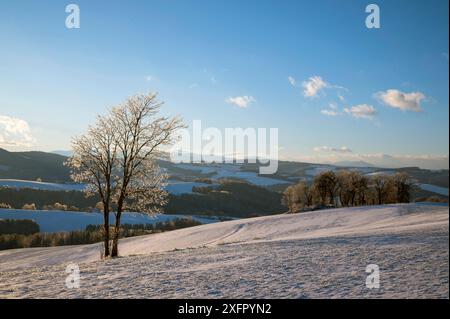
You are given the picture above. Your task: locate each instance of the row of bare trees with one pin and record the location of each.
(347, 188)
(115, 159)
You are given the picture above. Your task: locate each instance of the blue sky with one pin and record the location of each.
(378, 95)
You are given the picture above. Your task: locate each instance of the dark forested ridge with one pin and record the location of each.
(33, 165)
(230, 198)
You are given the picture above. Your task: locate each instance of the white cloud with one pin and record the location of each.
(240, 101)
(328, 149)
(313, 86)
(292, 81)
(361, 111)
(14, 132)
(329, 112)
(332, 111)
(341, 97)
(150, 78)
(403, 101)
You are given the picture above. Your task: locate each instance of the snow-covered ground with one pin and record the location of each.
(233, 171)
(316, 170)
(434, 189)
(173, 187)
(381, 173)
(18, 183)
(58, 221)
(320, 254)
(178, 187)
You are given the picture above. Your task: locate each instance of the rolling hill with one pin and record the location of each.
(311, 255)
(50, 168)
(33, 165)
(260, 195)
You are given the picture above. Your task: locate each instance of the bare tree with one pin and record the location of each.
(345, 188)
(290, 199)
(116, 159)
(305, 194)
(326, 184)
(381, 186)
(298, 196)
(140, 132)
(402, 185)
(352, 188)
(92, 163)
(362, 185)
(320, 184)
(353, 182)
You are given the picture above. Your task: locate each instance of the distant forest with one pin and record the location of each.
(230, 198)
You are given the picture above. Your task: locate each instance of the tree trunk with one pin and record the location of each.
(106, 235)
(115, 243)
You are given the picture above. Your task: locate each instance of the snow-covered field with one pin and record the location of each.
(381, 173)
(434, 189)
(178, 187)
(233, 171)
(317, 169)
(174, 187)
(320, 254)
(18, 183)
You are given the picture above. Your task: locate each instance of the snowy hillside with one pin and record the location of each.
(174, 187)
(183, 177)
(219, 171)
(434, 189)
(316, 254)
(17, 183)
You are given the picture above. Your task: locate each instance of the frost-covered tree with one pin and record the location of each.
(305, 194)
(92, 163)
(290, 199)
(402, 185)
(326, 184)
(116, 159)
(298, 196)
(381, 184)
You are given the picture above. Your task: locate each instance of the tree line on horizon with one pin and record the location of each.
(346, 189)
(24, 233)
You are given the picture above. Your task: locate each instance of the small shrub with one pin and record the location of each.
(5, 205)
(29, 206)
